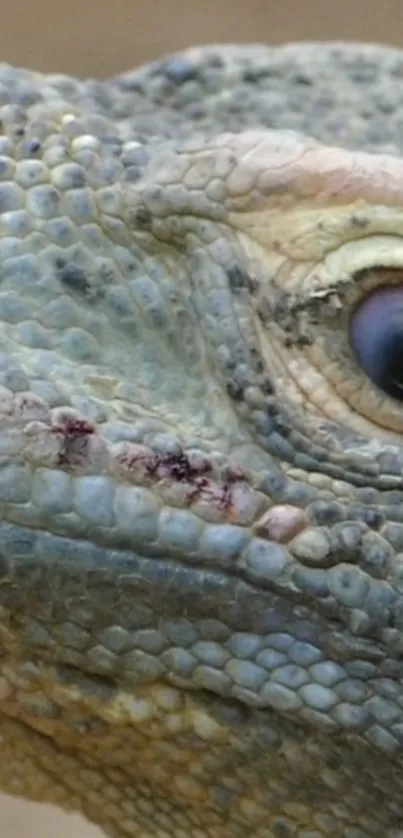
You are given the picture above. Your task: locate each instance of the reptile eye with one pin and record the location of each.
(376, 337)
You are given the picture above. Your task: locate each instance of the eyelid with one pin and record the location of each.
(323, 376)
(346, 262)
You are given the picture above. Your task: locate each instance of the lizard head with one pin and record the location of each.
(201, 474)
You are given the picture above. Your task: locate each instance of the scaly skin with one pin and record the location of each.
(201, 490)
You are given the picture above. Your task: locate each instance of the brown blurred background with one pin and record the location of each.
(101, 37)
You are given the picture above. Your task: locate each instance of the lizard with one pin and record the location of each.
(201, 538)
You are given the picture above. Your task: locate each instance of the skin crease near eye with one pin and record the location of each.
(376, 338)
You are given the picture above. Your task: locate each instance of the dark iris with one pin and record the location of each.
(376, 337)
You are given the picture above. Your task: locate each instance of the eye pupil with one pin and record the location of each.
(376, 337)
(394, 367)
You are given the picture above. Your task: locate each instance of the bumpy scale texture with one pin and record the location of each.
(201, 491)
